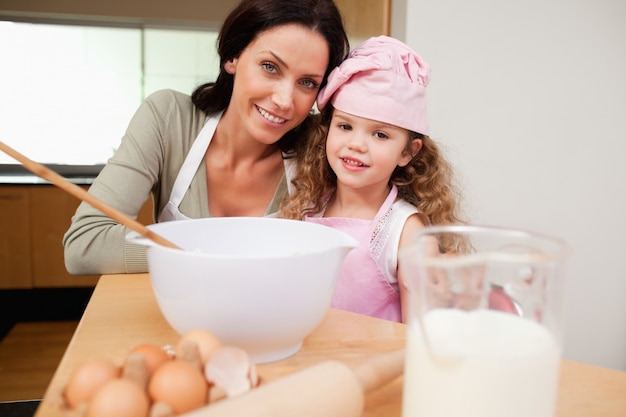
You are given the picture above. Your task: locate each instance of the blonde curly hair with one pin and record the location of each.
(426, 182)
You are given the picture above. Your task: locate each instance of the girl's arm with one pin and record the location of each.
(412, 224)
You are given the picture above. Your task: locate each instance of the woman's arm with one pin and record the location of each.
(94, 243)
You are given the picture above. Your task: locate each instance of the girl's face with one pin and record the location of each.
(276, 80)
(363, 153)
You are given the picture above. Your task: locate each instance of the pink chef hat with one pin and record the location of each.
(382, 79)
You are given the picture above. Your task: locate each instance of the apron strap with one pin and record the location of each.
(193, 160)
(391, 198)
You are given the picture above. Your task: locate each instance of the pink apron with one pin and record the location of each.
(362, 287)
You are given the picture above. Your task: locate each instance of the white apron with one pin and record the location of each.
(190, 166)
(187, 171)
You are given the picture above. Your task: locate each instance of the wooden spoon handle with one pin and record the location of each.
(81, 194)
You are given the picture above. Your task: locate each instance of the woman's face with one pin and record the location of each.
(276, 80)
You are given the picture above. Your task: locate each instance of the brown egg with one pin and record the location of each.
(179, 384)
(207, 343)
(87, 379)
(155, 355)
(120, 398)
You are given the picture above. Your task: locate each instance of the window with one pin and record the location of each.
(67, 92)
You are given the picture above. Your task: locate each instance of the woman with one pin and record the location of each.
(223, 151)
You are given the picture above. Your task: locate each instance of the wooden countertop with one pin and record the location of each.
(123, 313)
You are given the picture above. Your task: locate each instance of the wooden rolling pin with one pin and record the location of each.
(330, 389)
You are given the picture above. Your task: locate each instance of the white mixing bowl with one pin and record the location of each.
(259, 283)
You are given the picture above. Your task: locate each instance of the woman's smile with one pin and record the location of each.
(270, 117)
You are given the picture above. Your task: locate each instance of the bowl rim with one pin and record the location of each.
(347, 240)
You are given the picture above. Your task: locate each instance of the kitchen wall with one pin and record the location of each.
(529, 100)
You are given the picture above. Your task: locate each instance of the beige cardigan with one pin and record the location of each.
(148, 159)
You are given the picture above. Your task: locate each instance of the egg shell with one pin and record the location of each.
(120, 398)
(229, 369)
(179, 384)
(87, 378)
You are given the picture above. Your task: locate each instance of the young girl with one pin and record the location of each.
(373, 171)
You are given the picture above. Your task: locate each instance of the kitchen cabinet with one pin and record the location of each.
(14, 237)
(33, 219)
(365, 18)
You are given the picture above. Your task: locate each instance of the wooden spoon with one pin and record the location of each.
(81, 194)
